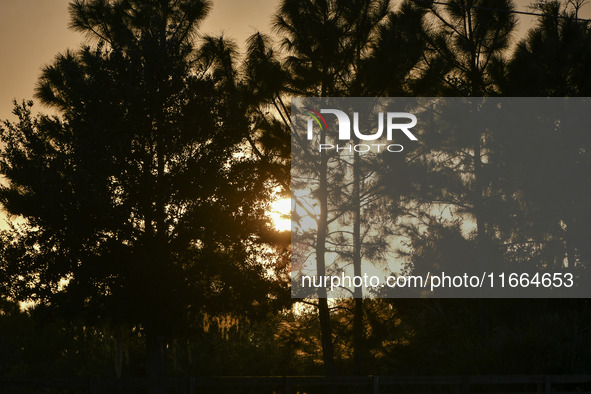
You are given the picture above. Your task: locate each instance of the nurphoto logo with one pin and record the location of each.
(395, 121)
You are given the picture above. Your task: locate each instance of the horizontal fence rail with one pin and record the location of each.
(305, 384)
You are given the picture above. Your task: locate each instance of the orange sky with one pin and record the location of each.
(32, 32)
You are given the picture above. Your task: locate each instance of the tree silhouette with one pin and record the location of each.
(139, 206)
(326, 42)
(142, 203)
(394, 66)
(465, 49)
(553, 59)
(467, 44)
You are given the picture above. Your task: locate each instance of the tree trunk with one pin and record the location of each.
(481, 242)
(155, 359)
(323, 309)
(358, 345)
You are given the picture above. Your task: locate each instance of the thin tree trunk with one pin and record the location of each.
(323, 309)
(481, 242)
(358, 340)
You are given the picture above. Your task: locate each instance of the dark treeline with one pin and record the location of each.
(142, 239)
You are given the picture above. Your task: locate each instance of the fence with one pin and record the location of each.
(306, 385)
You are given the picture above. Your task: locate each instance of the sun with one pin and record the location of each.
(280, 214)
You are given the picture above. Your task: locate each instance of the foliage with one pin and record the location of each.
(141, 207)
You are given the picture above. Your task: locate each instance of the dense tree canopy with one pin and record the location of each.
(141, 207)
(139, 202)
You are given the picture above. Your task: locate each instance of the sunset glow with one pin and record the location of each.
(280, 214)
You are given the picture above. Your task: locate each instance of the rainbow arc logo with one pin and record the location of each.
(315, 115)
